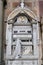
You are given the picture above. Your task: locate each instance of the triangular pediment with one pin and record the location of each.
(18, 10)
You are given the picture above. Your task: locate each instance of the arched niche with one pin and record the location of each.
(21, 18)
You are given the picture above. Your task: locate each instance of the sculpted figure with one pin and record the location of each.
(17, 52)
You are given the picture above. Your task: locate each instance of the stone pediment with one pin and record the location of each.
(18, 10)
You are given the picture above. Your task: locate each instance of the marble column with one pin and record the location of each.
(42, 44)
(8, 40)
(1, 21)
(39, 43)
(38, 38)
(35, 40)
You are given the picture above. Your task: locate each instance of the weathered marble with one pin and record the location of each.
(19, 35)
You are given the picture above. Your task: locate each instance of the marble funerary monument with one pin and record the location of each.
(22, 37)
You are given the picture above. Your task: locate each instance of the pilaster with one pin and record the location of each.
(34, 38)
(8, 40)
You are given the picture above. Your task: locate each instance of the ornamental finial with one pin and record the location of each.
(22, 3)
